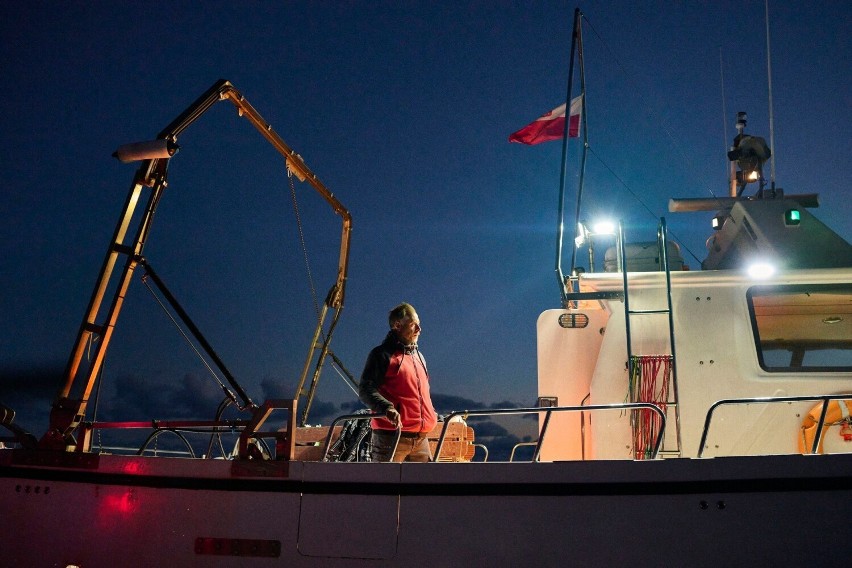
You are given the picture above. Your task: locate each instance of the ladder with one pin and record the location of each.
(662, 243)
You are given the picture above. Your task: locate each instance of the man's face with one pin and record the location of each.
(408, 329)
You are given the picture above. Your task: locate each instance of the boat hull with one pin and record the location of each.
(86, 510)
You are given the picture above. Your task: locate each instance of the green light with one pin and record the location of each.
(792, 217)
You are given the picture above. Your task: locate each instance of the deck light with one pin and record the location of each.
(603, 228)
(584, 236)
(761, 270)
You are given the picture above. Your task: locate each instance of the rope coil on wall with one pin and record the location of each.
(649, 380)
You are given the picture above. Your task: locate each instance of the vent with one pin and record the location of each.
(573, 321)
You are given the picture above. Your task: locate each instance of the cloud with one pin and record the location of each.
(38, 380)
(485, 428)
(135, 398)
(324, 412)
(445, 403)
(273, 388)
(321, 412)
(28, 389)
(505, 404)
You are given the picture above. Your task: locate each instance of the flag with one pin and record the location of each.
(551, 126)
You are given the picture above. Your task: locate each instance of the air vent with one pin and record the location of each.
(573, 321)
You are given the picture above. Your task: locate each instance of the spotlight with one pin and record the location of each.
(761, 270)
(603, 228)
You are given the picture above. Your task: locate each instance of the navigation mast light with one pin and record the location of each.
(792, 217)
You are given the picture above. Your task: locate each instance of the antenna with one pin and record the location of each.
(771, 114)
(728, 164)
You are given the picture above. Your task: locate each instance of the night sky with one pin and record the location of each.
(403, 110)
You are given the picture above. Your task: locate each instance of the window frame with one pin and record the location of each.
(781, 289)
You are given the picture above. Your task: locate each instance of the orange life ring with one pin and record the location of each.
(837, 410)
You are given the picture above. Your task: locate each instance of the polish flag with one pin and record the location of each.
(551, 126)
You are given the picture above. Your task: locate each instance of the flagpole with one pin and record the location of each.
(560, 227)
(583, 114)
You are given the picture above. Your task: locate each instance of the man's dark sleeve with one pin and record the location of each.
(371, 379)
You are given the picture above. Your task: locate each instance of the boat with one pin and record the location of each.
(686, 417)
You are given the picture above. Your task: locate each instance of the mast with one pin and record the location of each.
(576, 39)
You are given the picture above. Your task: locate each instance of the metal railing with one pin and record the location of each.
(825, 399)
(520, 445)
(548, 411)
(346, 417)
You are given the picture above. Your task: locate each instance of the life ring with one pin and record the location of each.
(838, 410)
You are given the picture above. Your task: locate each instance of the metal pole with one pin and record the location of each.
(560, 225)
(771, 118)
(583, 115)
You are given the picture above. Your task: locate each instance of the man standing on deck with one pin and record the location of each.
(395, 384)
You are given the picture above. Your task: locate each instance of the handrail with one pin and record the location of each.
(334, 422)
(484, 448)
(518, 445)
(549, 410)
(177, 427)
(769, 400)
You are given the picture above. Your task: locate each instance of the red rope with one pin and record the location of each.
(650, 383)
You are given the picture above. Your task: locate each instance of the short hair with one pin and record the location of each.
(399, 313)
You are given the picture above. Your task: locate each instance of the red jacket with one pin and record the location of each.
(396, 375)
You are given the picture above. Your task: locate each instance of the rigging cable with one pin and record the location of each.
(302, 241)
(347, 377)
(337, 365)
(189, 342)
(685, 157)
(644, 101)
(637, 198)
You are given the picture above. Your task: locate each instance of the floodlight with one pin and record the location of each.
(604, 228)
(761, 270)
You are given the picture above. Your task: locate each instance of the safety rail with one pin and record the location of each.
(548, 411)
(346, 417)
(247, 430)
(484, 449)
(770, 400)
(179, 428)
(520, 445)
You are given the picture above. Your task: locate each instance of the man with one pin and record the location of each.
(395, 384)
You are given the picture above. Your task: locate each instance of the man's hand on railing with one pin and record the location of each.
(393, 416)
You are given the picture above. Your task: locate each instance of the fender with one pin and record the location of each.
(838, 410)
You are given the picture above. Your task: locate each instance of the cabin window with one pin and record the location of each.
(802, 327)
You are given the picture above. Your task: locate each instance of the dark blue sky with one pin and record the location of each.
(403, 110)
